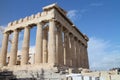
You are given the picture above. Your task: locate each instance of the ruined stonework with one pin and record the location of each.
(59, 44)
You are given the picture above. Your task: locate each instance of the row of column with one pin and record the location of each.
(75, 52)
(57, 48)
(25, 47)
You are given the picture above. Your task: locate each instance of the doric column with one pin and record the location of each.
(52, 43)
(60, 46)
(45, 43)
(74, 53)
(4, 49)
(67, 48)
(71, 46)
(71, 49)
(81, 55)
(86, 57)
(14, 48)
(77, 54)
(25, 46)
(57, 45)
(39, 40)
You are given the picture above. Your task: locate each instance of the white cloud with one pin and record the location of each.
(103, 54)
(74, 15)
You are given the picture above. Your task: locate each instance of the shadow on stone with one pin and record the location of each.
(7, 75)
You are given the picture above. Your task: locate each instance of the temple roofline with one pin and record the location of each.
(54, 6)
(63, 13)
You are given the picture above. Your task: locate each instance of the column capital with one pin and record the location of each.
(28, 27)
(14, 48)
(17, 30)
(6, 33)
(85, 46)
(39, 40)
(71, 35)
(66, 31)
(59, 28)
(25, 46)
(53, 19)
(58, 24)
(51, 42)
(76, 39)
(4, 49)
(40, 23)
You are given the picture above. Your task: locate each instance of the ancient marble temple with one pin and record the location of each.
(58, 41)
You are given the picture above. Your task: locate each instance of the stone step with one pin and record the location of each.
(46, 75)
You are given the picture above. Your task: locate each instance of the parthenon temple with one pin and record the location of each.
(58, 41)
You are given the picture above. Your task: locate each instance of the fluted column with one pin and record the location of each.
(80, 56)
(60, 46)
(86, 58)
(67, 48)
(45, 43)
(25, 46)
(52, 43)
(14, 48)
(4, 49)
(57, 45)
(39, 44)
(71, 50)
(83, 55)
(77, 54)
(74, 52)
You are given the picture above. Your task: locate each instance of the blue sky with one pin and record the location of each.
(99, 19)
